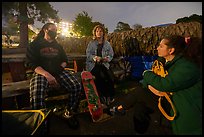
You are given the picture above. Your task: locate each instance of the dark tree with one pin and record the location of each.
(26, 13)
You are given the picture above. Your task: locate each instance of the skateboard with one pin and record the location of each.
(93, 99)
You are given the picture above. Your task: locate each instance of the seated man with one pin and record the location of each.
(48, 60)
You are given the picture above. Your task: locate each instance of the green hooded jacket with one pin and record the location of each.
(184, 79)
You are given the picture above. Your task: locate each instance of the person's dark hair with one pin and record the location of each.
(192, 49)
(177, 42)
(41, 34)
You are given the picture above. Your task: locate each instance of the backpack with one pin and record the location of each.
(158, 68)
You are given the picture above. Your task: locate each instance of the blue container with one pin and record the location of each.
(139, 64)
(148, 61)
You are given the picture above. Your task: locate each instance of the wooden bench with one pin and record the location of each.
(15, 89)
(12, 90)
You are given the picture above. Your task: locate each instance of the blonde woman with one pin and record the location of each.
(99, 53)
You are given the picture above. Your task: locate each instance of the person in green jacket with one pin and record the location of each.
(183, 62)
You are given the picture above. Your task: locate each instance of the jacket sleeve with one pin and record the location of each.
(180, 76)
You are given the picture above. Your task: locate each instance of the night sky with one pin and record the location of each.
(145, 13)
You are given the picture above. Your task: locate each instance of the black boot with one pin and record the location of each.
(70, 118)
(73, 122)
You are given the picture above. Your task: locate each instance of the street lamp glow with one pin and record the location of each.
(65, 29)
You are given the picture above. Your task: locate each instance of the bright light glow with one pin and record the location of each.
(65, 29)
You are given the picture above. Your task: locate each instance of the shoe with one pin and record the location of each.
(73, 122)
(70, 119)
(110, 100)
(104, 106)
(103, 100)
(117, 110)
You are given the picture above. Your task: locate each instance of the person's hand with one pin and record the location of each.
(62, 68)
(51, 80)
(97, 59)
(63, 65)
(105, 59)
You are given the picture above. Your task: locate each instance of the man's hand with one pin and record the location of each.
(51, 80)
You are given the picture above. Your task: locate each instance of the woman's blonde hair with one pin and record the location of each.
(94, 31)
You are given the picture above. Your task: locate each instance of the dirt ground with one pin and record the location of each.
(129, 95)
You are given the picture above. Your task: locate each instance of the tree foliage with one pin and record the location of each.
(121, 26)
(27, 13)
(194, 17)
(137, 26)
(39, 11)
(11, 28)
(83, 24)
